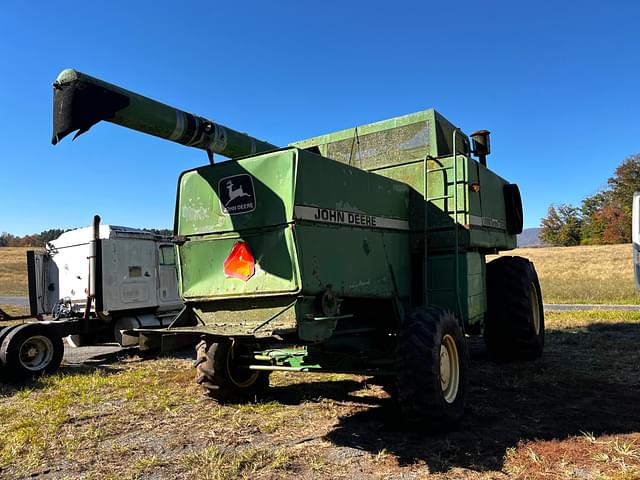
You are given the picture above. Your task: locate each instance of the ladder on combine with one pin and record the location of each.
(447, 196)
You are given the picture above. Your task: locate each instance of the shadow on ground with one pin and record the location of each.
(587, 381)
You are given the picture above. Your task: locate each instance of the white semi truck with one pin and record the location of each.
(91, 285)
(132, 274)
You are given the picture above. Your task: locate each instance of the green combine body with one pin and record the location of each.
(360, 251)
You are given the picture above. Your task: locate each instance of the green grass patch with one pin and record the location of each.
(577, 319)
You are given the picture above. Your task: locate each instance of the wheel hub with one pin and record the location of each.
(445, 368)
(535, 309)
(449, 369)
(31, 353)
(36, 353)
(240, 377)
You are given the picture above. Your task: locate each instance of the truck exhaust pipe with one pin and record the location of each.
(80, 101)
(93, 262)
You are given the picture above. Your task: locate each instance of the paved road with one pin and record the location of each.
(562, 307)
(93, 354)
(18, 301)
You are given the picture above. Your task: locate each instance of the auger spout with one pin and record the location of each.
(80, 101)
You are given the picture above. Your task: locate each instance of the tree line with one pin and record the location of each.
(602, 218)
(42, 238)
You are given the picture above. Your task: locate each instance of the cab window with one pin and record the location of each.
(167, 255)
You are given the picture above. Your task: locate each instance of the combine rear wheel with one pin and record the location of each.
(431, 365)
(514, 323)
(221, 376)
(31, 350)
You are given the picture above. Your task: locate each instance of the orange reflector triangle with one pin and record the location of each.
(240, 263)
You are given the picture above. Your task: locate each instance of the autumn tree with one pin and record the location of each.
(607, 214)
(562, 225)
(614, 224)
(625, 181)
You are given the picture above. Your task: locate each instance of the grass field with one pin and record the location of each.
(13, 271)
(571, 414)
(598, 274)
(585, 274)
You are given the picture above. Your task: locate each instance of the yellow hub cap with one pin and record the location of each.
(449, 369)
(535, 309)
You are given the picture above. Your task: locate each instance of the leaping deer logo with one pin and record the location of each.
(234, 193)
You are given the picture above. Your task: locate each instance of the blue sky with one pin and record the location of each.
(557, 83)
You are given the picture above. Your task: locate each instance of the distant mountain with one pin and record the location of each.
(530, 237)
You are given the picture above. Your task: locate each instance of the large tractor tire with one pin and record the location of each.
(431, 366)
(31, 350)
(514, 323)
(220, 376)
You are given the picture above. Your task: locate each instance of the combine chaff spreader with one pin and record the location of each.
(361, 251)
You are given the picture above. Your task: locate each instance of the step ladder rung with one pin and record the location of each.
(438, 169)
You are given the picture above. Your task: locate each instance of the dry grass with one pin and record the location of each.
(15, 310)
(13, 271)
(568, 415)
(584, 274)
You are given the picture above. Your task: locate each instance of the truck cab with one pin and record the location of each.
(134, 276)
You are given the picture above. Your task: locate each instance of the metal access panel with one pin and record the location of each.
(309, 222)
(468, 296)
(352, 230)
(129, 274)
(249, 200)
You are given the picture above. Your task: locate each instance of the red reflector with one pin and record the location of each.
(240, 263)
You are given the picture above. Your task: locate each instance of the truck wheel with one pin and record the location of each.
(431, 366)
(4, 331)
(31, 350)
(221, 378)
(514, 323)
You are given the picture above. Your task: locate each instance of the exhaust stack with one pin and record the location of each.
(481, 145)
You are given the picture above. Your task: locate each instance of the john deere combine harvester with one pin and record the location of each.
(362, 251)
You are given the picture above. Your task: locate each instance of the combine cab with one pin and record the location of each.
(362, 251)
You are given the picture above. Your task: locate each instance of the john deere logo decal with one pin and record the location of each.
(237, 194)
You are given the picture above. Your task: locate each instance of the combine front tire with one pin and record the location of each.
(31, 350)
(218, 372)
(514, 323)
(431, 365)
